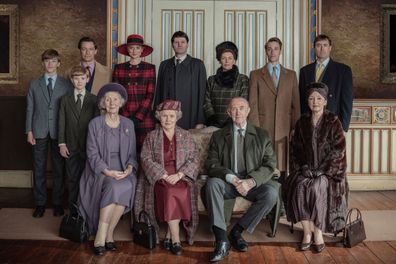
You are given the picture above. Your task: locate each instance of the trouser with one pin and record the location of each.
(74, 165)
(263, 199)
(40, 155)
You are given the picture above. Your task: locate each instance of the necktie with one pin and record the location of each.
(319, 71)
(240, 158)
(178, 61)
(273, 76)
(79, 103)
(49, 88)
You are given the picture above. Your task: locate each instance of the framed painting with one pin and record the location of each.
(9, 44)
(388, 44)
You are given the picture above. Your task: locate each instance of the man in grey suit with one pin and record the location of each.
(77, 108)
(42, 129)
(240, 162)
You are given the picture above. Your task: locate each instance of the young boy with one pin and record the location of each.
(77, 108)
(42, 129)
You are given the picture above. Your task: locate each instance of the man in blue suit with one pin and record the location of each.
(337, 76)
(42, 130)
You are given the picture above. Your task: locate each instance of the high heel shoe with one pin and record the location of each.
(319, 248)
(305, 246)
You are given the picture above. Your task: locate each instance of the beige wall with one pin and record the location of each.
(354, 27)
(56, 24)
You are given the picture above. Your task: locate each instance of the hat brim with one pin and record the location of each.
(123, 49)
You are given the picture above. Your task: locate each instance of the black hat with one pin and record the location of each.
(319, 87)
(226, 46)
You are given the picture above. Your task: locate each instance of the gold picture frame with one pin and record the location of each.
(9, 29)
(388, 43)
(381, 115)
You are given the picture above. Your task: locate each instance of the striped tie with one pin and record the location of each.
(319, 71)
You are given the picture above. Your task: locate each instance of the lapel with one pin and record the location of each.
(43, 88)
(124, 142)
(57, 88)
(250, 131)
(268, 80)
(228, 135)
(73, 106)
(311, 72)
(327, 72)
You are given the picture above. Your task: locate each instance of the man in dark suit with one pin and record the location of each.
(337, 76)
(77, 108)
(241, 162)
(42, 129)
(183, 78)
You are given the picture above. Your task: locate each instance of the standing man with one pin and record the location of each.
(275, 102)
(337, 76)
(100, 74)
(43, 100)
(240, 162)
(183, 78)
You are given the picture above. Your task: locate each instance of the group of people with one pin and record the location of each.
(272, 133)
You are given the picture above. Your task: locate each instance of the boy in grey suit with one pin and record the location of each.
(77, 108)
(42, 129)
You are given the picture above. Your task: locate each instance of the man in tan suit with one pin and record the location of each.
(275, 102)
(100, 74)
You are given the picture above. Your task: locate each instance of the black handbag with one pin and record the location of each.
(354, 232)
(74, 228)
(144, 232)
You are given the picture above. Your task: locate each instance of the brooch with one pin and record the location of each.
(126, 131)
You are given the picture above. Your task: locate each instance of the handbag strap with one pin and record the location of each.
(349, 218)
(146, 217)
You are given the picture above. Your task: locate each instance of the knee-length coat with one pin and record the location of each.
(98, 159)
(324, 154)
(152, 163)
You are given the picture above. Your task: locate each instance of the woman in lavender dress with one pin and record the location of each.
(107, 186)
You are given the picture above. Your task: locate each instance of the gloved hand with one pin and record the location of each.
(306, 172)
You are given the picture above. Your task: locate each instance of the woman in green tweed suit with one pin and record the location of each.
(226, 84)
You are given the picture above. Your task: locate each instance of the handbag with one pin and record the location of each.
(144, 232)
(354, 232)
(74, 228)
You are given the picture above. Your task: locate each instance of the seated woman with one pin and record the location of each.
(166, 191)
(315, 192)
(107, 186)
(226, 84)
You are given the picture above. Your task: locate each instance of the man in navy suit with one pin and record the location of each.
(337, 76)
(42, 129)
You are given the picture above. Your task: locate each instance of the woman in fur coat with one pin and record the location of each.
(315, 193)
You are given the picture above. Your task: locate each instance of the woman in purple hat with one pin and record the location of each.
(166, 191)
(138, 78)
(107, 185)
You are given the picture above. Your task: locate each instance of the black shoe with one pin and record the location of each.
(305, 246)
(176, 248)
(58, 210)
(99, 251)
(319, 248)
(39, 211)
(110, 246)
(238, 243)
(167, 243)
(221, 251)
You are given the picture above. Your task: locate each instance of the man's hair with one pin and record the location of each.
(322, 37)
(79, 70)
(179, 34)
(237, 98)
(274, 39)
(50, 54)
(87, 39)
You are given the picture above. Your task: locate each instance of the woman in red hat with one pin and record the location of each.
(138, 78)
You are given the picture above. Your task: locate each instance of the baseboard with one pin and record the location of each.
(371, 183)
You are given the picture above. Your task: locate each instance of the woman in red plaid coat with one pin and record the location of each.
(138, 78)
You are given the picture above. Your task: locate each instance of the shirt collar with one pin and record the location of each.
(182, 58)
(270, 67)
(91, 65)
(82, 93)
(46, 76)
(235, 128)
(325, 62)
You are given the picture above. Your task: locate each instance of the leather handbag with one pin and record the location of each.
(144, 232)
(354, 232)
(74, 228)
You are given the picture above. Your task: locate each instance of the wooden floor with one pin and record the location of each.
(28, 251)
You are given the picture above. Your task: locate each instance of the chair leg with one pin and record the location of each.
(275, 215)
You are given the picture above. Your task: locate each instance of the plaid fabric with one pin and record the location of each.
(139, 81)
(217, 97)
(152, 162)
